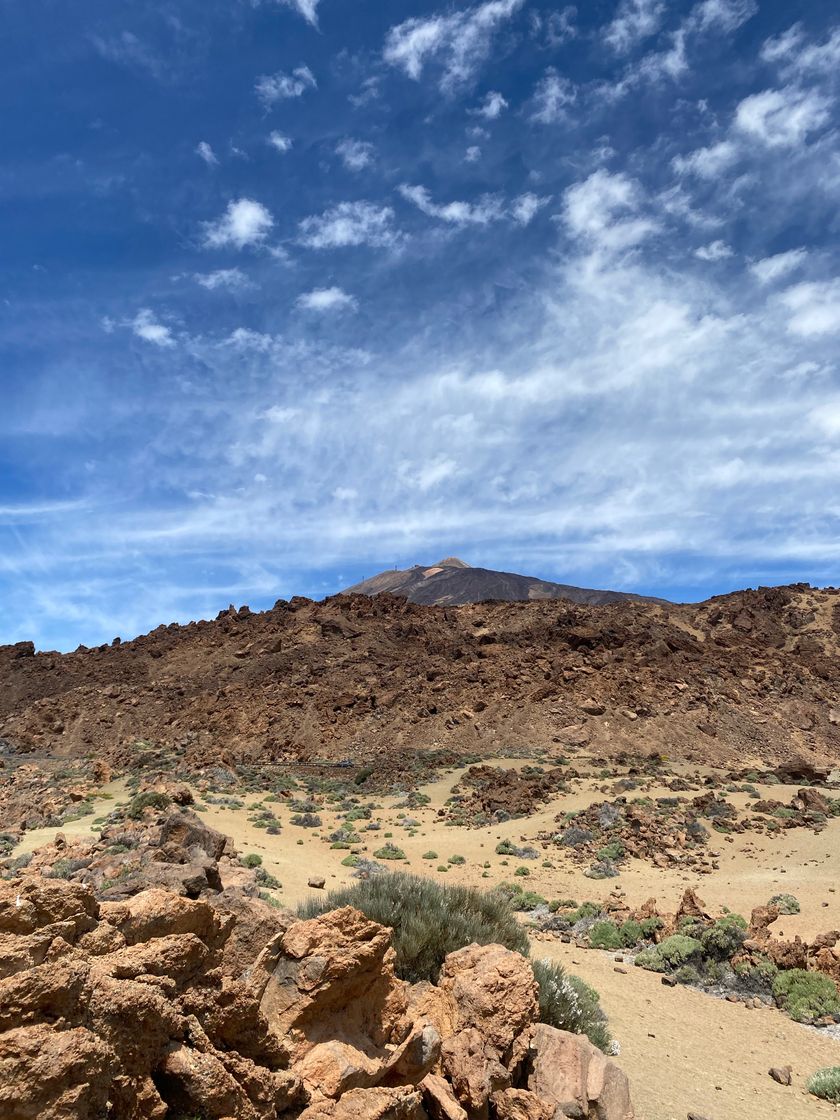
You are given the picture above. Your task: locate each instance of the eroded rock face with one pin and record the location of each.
(162, 1005)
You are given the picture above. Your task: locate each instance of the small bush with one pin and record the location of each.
(456, 860)
(786, 903)
(522, 872)
(266, 879)
(251, 860)
(806, 996)
(306, 820)
(670, 954)
(389, 851)
(825, 1084)
(723, 939)
(148, 800)
(569, 1004)
(429, 919)
(430, 855)
(605, 935)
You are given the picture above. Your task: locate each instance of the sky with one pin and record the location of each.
(292, 291)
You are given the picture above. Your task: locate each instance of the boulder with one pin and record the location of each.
(567, 1070)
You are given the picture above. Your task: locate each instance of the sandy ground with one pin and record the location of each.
(683, 1050)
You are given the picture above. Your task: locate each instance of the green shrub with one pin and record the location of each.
(786, 903)
(522, 872)
(430, 855)
(458, 860)
(825, 1084)
(631, 933)
(605, 935)
(148, 800)
(350, 861)
(569, 1004)
(251, 860)
(429, 920)
(389, 851)
(725, 937)
(670, 954)
(806, 996)
(266, 879)
(613, 850)
(363, 775)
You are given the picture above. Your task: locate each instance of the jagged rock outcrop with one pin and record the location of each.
(137, 1009)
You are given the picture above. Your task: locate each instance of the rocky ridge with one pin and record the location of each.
(382, 681)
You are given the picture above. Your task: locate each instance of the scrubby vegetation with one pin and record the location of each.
(430, 920)
(825, 1084)
(148, 800)
(786, 903)
(806, 996)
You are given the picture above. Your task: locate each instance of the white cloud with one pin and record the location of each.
(555, 28)
(350, 224)
(245, 222)
(634, 21)
(206, 153)
(526, 206)
(769, 269)
(327, 299)
(472, 154)
(307, 8)
(714, 251)
(281, 86)
(795, 56)
(489, 208)
(145, 326)
(604, 209)
(493, 106)
(355, 154)
(707, 163)
(460, 41)
(814, 308)
(552, 95)
(723, 15)
(279, 141)
(232, 278)
(781, 118)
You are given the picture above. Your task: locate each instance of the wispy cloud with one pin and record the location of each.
(205, 152)
(552, 97)
(489, 208)
(769, 269)
(493, 105)
(356, 155)
(146, 326)
(782, 118)
(350, 224)
(234, 279)
(280, 142)
(459, 42)
(634, 21)
(271, 88)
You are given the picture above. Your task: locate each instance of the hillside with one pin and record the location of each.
(745, 676)
(451, 583)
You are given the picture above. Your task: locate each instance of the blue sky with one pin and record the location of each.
(295, 291)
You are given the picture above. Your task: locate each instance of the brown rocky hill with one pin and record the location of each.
(451, 583)
(751, 676)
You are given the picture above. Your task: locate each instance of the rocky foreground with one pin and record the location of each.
(196, 998)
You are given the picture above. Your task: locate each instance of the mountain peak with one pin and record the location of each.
(451, 562)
